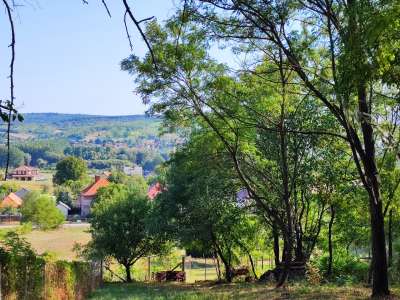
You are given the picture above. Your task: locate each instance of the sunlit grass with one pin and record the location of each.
(229, 291)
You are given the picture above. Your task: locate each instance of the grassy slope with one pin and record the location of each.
(147, 291)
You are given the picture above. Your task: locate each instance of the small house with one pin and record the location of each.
(131, 171)
(22, 193)
(87, 196)
(12, 201)
(63, 208)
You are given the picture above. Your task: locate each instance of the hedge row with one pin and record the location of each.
(25, 275)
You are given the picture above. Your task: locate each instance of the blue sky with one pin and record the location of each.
(68, 56)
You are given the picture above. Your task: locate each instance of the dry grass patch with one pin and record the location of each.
(60, 241)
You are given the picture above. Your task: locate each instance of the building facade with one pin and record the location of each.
(25, 173)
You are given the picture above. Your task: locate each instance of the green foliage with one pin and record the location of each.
(70, 168)
(199, 208)
(122, 213)
(395, 267)
(21, 268)
(65, 194)
(8, 187)
(17, 157)
(41, 210)
(347, 268)
(103, 142)
(26, 275)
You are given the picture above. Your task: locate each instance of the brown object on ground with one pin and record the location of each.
(179, 276)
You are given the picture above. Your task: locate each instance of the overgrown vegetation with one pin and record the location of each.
(26, 275)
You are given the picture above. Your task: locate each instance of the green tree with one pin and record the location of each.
(199, 207)
(121, 213)
(70, 168)
(41, 210)
(17, 157)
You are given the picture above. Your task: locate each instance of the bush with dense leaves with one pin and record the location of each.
(346, 268)
(41, 210)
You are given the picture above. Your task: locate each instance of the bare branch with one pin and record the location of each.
(137, 24)
(127, 31)
(11, 101)
(106, 7)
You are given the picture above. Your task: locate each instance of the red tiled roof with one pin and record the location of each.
(154, 190)
(25, 168)
(91, 190)
(12, 200)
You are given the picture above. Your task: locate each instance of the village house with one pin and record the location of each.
(22, 193)
(131, 171)
(63, 208)
(87, 196)
(11, 201)
(25, 173)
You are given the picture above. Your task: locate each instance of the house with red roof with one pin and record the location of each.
(87, 196)
(12, 200)
(25, 173)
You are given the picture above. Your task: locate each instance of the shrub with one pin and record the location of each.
(346, 268)
(313, 275)
(41, 210)
(394, 270)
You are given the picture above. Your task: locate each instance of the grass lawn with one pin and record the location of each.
(202, 291)
(60, 241)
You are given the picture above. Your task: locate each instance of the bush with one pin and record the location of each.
(346, 268)
(21, 269)
(41, 210)
(313, 275)
(394, 270)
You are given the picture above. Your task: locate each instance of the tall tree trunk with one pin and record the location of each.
(225, 261)
(380, 285)
(128, 273)
(390, 238)
(299, 252)
(275, 234)
(287, 231)
(253, 268)
(330, 246)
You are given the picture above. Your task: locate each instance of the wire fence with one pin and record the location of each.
(196, 269)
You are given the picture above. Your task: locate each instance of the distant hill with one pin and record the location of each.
(47, 118)
(103, 141)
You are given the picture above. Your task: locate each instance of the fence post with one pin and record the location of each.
(148, 268)
(205, 268)
(183, 263)
(262, 262)
(44, 281)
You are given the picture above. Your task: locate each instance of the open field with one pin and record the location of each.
(203, 291)
(59, 242)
